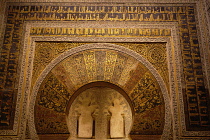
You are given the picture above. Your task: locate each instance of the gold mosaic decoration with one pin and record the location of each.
(90, 63)
(100, 65)
(105, 32)
(47, 51)
(155, 53)
(194, 91)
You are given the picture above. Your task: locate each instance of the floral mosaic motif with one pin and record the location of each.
(115, 67)
(150, 122)
(146, 95)
(53, 95)
(184, 15)
(47, 51)
(50, 122)
(148, 106)
(155, 53)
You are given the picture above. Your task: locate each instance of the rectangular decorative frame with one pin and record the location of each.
(175, 68)
(29, 47)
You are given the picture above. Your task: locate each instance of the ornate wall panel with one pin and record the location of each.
(49, 87)
(194, 89)
(115, 67)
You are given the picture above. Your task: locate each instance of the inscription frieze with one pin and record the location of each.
(114, 32)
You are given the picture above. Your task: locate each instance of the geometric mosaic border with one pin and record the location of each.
(173, 56)
(176, 98)
(174, 59)
(29, 44)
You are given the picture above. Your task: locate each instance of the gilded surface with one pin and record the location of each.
(110, 66)
(155, 53)
(105, 32)
(87, 13)
(146, 94)
(110, 62)
(90, 64)
(148, 105)
(45, 52)
(195, 93)
(141, 86)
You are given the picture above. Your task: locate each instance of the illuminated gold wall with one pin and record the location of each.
(171, 37)
(100, 65)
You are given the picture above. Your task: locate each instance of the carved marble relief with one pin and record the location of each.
(100, 113)
(117, 120)
(85, 121)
